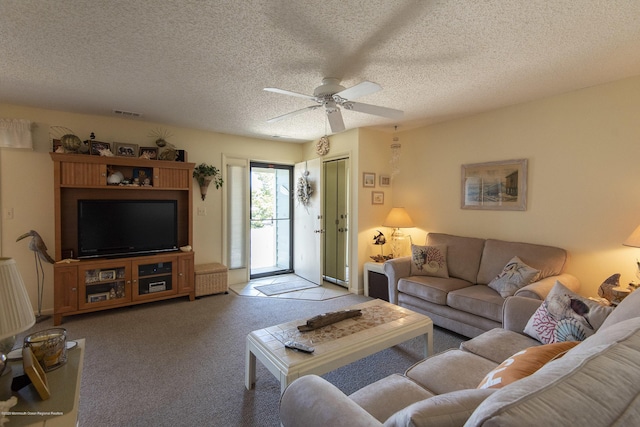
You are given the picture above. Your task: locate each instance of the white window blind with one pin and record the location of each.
(15, 133)
(237, 215)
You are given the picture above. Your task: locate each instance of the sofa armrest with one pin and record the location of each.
(312, 401)
(395, 269)
(517, 311)
(541, 288)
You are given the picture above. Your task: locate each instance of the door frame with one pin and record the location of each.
(291, 170)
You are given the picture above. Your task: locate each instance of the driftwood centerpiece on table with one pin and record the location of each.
(325, 319)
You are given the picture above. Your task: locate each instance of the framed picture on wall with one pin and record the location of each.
(377, 198)
(368, 179)
(385, 180)
(498, 185)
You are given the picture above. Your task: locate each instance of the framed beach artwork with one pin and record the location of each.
(377, 198)
(368, 179)
(498, 185)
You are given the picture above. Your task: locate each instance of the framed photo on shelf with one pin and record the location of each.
(150, 153)
(498, 185)
(107, 275)
(126, 150)
(385, 180)
(368, 179)
(104, 296)
(377, 198)
(55, 144)
(96, 146)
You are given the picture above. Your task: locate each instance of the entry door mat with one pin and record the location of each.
(285, 287)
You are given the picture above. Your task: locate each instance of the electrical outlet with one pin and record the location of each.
(8, 213)
(202, 211)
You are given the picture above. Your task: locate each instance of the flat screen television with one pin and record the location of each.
(110, 228)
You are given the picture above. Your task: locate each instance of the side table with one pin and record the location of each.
(61, 409)
(376, 284)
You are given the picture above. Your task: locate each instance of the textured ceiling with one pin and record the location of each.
(204, 64)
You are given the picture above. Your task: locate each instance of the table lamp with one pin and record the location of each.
(634, 241)
(16, 315)
(397, 218)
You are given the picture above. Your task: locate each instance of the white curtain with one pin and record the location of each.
(237, 215)
(15, 133)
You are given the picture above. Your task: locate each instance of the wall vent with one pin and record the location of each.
(126, 113)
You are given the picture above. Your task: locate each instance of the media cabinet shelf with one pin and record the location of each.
(99, 284)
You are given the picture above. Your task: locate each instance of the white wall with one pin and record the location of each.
(583, 149)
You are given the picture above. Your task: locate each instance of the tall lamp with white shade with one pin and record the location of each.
(16, 316)
(398, 218)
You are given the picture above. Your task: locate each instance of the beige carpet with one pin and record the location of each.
(181, 363)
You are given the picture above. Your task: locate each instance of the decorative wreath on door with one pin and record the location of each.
(304, 189)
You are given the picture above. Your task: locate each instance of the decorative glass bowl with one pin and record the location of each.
(49, 347)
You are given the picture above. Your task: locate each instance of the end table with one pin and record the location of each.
(376, 284)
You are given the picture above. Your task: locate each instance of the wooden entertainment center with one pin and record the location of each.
(83, 286)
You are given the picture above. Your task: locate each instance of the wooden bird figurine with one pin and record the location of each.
(37, 245)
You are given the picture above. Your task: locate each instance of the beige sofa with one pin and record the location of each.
(596, 383)
(463, 302)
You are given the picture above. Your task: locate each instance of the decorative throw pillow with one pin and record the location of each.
(515, 275)
(524, 363)
(429, 261)
(565, 316)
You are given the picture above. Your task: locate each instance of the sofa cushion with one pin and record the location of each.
(480, 300)
(565, 316)
(548, 259)
(432, 289)
(498, 344)
(463, 254)
(515, 275)
(596, 383)
(429, 261)
(442, 372)
(524, 363)
(375, 398)
(446, 410)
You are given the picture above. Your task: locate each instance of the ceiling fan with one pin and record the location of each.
(332, 95)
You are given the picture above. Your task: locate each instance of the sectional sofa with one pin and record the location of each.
(594, 383)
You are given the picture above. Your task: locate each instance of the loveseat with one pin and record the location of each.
(458, 296)
(595, 383)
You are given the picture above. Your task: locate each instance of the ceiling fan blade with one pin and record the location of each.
(374, 109)
(293, 113)
(335, 120)
(361, 89)
(288, 92)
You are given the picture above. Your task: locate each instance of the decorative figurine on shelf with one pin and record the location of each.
(611, 290)
(205, 174)
(380, 240)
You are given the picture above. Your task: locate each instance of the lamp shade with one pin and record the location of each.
(16, 312)
(633, 239)
(398, 218)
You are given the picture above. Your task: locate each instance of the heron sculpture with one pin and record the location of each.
(36, 244)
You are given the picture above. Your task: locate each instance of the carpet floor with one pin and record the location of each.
(181, 363)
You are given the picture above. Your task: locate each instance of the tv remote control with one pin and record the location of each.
(299, 346)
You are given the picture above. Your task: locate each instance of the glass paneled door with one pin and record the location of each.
(271, 219)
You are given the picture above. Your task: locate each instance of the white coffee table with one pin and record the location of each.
(382, 325)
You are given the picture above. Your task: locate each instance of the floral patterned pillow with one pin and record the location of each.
(565, 316)
(515, 275)
(429, 261)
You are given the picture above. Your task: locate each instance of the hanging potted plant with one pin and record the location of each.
(205, 174)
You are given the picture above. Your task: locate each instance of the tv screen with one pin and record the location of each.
(126, 227)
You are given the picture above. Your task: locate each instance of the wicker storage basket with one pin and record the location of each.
(211, 279)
